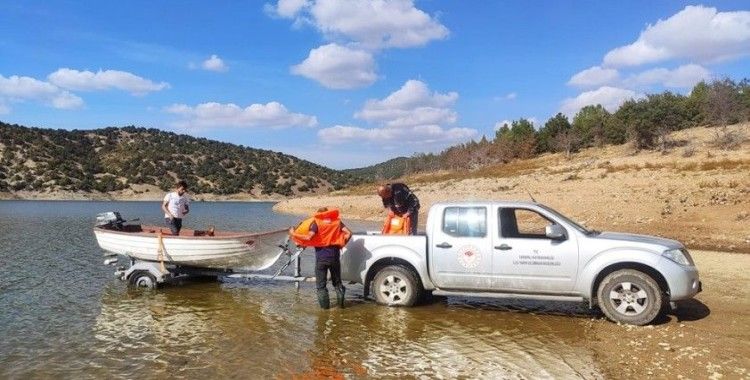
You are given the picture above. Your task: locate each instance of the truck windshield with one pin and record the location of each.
(572, 223)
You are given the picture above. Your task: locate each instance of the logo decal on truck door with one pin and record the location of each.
(469, 256)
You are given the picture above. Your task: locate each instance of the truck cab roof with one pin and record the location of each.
(503, 203)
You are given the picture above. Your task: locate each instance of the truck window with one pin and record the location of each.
(465, 221)
(522, 223)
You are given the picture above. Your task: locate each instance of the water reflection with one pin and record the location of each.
(64, 315)
(264, 329)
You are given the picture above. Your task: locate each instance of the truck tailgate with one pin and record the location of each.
(365, 249)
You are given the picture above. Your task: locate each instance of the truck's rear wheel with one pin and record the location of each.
(395, 285)
(631, 297)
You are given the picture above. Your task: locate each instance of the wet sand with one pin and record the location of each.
(708, 337)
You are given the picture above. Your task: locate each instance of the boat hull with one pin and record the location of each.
(193, 248)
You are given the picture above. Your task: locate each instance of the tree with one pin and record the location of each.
(723, 104)
(744, 90)
(640, 127)
(589, 124)
(615, 130)
(696, 104)
(547, 136)
(649, 121)
(669, 113)
(516, 141)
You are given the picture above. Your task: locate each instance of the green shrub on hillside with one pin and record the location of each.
(112, 159)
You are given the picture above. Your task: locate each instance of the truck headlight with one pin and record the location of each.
(680, 256)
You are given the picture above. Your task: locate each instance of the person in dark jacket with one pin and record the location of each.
(398, 198)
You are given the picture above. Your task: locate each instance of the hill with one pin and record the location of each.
(393, 168)
(134, 160)
(646, 123)
(696, 192)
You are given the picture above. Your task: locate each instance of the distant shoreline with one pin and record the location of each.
(81, 196)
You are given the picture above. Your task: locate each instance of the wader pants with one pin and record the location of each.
(323, 266)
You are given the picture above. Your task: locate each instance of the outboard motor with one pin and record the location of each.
(110, 219)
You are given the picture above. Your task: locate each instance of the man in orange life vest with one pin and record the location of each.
(401, 201)
(328, 235)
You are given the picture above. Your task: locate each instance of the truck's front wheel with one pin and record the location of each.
(630, 296)
(395, 285)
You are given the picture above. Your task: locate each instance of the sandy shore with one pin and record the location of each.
(705, 338)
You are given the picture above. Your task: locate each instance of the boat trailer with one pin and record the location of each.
(151, 274)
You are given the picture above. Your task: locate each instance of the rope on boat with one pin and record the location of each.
(160, 252)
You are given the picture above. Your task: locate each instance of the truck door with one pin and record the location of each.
(525, 259)
(460, 249)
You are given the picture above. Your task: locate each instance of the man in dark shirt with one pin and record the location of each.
(399, 199)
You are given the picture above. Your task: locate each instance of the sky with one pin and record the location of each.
(350, 83)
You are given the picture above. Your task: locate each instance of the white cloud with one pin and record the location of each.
(26, 88)
(594, 77)
(609, 97)
(359, 28)
(410, 115)
(338, 67)
(696, 33)
(104, 80)
(66, 100)
(17, 89)
(424, 135)
(411, 105)
(339, 158)
(269, 115)
(371, 24)
(377, 23)
(214, 63)
(685, 76)
(287, 8)
(4, 109)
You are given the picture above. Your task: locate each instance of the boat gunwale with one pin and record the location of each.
(225, 235)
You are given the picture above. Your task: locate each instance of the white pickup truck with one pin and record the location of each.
(522, 250)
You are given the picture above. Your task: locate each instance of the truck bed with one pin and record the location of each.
(367, 248)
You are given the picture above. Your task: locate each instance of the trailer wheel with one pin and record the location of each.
(395, 285)
(143, 279)
(630, 296)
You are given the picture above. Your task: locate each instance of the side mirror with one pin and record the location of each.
(555, 232)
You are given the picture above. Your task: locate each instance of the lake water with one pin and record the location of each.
(64, 314)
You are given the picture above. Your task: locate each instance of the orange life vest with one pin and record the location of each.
(396, 225)
(329, 231)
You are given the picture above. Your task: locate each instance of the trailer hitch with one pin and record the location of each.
(292, 256)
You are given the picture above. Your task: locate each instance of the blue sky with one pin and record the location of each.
(348, 83)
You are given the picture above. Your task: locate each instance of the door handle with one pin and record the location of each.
(503, 247)
(443, 245)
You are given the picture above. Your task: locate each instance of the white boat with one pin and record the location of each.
(208, 249)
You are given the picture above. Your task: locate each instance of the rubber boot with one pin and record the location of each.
(323, 299)
(340, 292)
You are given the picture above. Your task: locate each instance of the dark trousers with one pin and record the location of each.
(413, 227)
(325, 265)
(175, 225)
